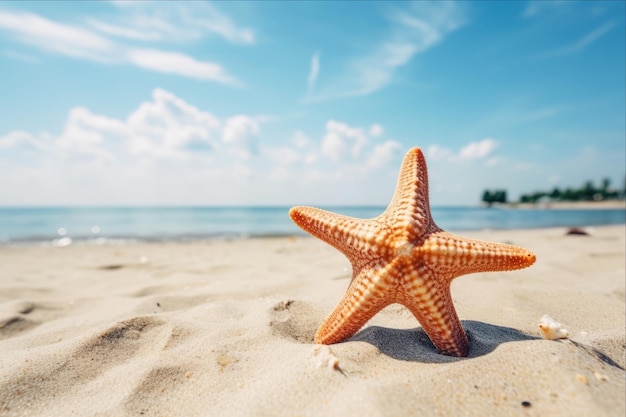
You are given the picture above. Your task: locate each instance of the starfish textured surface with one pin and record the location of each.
(402, 257)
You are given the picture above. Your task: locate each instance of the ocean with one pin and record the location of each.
(65, 225)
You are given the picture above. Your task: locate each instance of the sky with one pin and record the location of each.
(284, 103)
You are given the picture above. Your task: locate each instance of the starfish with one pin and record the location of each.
(402, 257)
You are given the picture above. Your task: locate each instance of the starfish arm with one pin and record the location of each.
(409, 210)
(431, 303)
(353, 237)
(365, 297)
(451, 256)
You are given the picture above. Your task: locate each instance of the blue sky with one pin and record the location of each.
(272, 103)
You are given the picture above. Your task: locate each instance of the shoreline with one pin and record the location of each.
(62, 242)
(93, 227)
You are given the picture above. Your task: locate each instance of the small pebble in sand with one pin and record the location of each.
(225, 359)
(600, 376)
(325, 357)
(575, 231)
(551, 329)
(581, 378)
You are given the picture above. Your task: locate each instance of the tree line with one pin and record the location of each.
(587, 192)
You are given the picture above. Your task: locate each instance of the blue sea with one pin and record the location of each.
(65, 225)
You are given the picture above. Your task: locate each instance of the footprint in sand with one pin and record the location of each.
(15, 318)
(295, 320)
(156, 393)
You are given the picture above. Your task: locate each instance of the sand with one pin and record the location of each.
(225, 328)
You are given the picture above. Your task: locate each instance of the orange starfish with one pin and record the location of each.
(402, 257)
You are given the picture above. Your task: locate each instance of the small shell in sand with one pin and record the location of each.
(551, 329)
(325, 357)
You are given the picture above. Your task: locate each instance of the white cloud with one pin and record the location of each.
(167, 126)
(476, 150)
(82, 116)
(77, 139)
(383, 153)
(163, 127)
(496, 160)
(167, 151)
(299, 139)
(284, 155)
(473, 150)
(413, 30)
(376, 130)
(82, 43)
(314, 71)
(310, 159)
(341, 140)
(242, 133)
(19, 138)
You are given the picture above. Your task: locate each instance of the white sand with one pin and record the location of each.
(226, 328)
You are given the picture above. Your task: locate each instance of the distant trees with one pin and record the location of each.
(587, 192)
(496, 196)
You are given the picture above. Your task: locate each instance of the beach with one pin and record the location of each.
(225, 327)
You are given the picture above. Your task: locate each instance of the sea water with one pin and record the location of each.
(102, 224)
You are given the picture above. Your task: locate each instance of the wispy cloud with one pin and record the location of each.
(540, 114)
(175, 21)
(413, 30)
(314, 71)
(81, 43)
(581, 43)
(56, 37)
(535, 8)
(124, 31)
(180, 64)
(214, 21)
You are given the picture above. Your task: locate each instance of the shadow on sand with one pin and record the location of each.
(414, 344)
